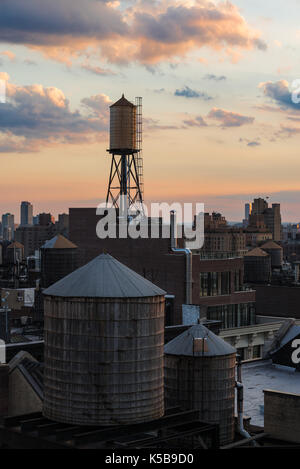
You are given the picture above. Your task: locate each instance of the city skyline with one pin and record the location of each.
(219, 123)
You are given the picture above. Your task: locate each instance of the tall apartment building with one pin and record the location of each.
(8, 226)
(265, 217)
(63, 224)
(46, 219)
(273, 221)
(26, 213)
(248, 210)
(33, 237)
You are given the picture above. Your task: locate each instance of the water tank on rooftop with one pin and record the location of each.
(200, 374)
(15, 252)
(104, 338)
(257, 266)
(275, 251)
(122, 127)
(59, 257)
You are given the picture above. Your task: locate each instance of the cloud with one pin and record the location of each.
(198, 121)
(253, 144)
(286, 131)
(229, 119)
(187, 92)
(121, 32)
(154, 124)
(97, 70)
(29, 62)
(4, 76)
(211, 76)
(10, 55)
(98, 105)
(35, 116)
(279, 93)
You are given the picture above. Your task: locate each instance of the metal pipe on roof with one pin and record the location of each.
(188, 257)
(240, 402)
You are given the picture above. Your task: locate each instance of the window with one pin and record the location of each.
(204, 284)
(241, 352)
(238, 315)
(256, 351)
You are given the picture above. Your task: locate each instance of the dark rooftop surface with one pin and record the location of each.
(260, 375)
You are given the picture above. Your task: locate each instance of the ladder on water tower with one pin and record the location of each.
(139, 143)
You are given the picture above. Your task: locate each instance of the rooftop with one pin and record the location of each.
(31, 369)
(260, 375)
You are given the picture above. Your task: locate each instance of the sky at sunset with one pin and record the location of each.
(216, 78)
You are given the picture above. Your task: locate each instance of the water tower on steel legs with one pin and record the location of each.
(126, 171)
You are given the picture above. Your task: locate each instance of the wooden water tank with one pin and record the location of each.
(104, 337)
(200, 374)
(122, 127)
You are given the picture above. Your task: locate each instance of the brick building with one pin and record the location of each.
(34, 236)
(221, 240)
(266, 218)
(217, 283)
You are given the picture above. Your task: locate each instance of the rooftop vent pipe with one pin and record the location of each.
(188, 258)
(240, 402)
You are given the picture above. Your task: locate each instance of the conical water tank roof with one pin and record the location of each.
(122, 102)
(184, 344)
(16, 245)
(104, 277)
(59, 242)
(271, 245)
(256, 252)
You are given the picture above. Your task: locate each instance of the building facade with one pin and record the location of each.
(34, 236)
(8, 227)
(266, 218)
(26, 213)
(217, 284)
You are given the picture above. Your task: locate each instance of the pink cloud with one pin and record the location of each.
(35, 116)
(229, 118)
(62, 29)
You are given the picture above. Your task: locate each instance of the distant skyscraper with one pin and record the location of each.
(264, 216)
(26, 213)
(35, 220)
(248, 210)
(46, 219)
(8, 226)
